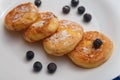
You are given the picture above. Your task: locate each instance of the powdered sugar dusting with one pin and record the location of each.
(85, 49)
(59, 36)
(64, 34)
(66, 43)
(47, 15)
(22, 9)
(71, 25)
(99, 49)
(66, 23)
(93, 49)
(33, 10)
(39, 24)
(16, 17)
(91, 56)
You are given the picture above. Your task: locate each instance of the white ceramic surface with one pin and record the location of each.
(13, 65)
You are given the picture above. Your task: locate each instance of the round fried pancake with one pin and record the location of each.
(45, 26)
(86, 56)
(21, 17)
(64, 40)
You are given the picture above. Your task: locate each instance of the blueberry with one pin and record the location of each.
(66, 9)
(97, 43)
(51, 67)
(87, 17)
(37, 66)
(74, 3)
(81, 9)
(29, 55)
(37, 3)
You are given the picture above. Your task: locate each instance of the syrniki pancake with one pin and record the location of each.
(64, 40)
(45, 26)
(86, 56)
(21, 17)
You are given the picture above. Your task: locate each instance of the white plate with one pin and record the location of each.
(13, 65)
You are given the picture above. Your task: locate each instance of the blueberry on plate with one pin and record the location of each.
(66, 9)
(51, 67)
(29, 55)
(97, 43)
(37, 66)
(37, 3)
(81, 9)
(74, 3)
(87, 17)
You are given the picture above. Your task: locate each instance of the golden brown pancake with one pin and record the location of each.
(86, 56)
(45, 26)
(21, 17)
(64, 40)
